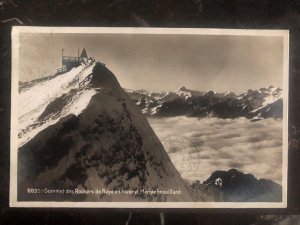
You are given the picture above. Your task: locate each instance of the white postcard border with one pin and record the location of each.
(132, 30)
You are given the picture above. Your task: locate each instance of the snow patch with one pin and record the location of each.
(271, 98)
(155, 109)
(33, 101)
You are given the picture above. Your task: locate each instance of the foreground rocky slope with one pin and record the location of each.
(85, 134)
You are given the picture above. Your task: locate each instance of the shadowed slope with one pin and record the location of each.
(109, 145)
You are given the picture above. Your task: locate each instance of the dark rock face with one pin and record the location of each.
(176, 107)
(103, 77)
(239, 187)
(272, 110)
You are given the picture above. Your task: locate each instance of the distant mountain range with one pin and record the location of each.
(253, 104)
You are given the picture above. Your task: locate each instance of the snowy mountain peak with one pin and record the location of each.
(82, 122)
(182, 88)
(184, 92)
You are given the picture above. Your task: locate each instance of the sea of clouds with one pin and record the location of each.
(198, 147)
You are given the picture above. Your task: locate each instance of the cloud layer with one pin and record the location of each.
(198, 147)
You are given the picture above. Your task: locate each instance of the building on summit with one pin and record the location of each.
(68, 62)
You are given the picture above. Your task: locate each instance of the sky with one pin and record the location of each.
(163, 62)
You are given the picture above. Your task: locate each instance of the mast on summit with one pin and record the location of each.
(62, 58)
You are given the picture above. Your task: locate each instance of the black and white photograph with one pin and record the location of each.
(149, 117)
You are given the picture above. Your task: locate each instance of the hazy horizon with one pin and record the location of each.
(163, 62)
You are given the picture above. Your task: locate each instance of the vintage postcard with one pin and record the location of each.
(149, 118)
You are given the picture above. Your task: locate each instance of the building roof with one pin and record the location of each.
(83, 54)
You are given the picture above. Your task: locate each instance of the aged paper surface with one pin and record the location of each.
(149, 117)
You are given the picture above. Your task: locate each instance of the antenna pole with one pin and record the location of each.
(62, 58)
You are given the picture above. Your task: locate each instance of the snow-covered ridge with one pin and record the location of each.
(109, 145)
(72, 87)
(271, 95)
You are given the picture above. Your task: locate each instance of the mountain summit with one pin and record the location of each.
(81, 132)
